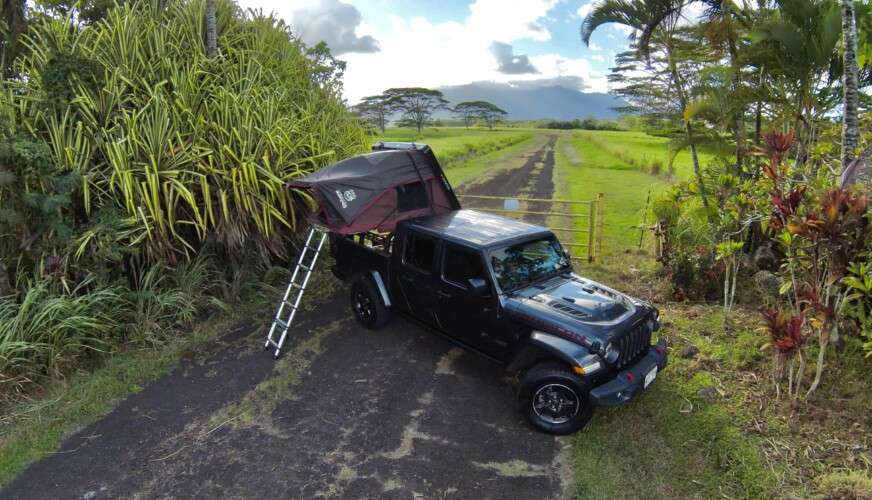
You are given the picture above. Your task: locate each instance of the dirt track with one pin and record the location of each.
(534, 179)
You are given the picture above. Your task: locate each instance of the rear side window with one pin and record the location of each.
(411, 197)
(461, 265)
(419, 252)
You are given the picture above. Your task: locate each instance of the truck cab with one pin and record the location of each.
(506, 290)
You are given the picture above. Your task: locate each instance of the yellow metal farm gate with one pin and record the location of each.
(578, 223)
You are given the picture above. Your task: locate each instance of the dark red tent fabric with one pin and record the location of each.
(375, 191)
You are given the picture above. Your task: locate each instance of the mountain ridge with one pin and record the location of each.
(554, 101)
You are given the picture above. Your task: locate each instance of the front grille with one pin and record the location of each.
(633, 343)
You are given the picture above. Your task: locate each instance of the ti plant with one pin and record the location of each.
(820, 235)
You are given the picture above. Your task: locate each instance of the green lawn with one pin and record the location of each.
(585, 168)
(646, 149)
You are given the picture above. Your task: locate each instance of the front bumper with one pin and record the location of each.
(631, 381)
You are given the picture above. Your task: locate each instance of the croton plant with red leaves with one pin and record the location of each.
(820, 230)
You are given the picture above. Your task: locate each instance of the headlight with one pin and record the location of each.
(610, 353)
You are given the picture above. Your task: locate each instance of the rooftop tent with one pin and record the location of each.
(374, 191)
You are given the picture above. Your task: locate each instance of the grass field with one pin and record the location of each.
(588, 163)
(455, 146)
(585, 168)
(646, 149)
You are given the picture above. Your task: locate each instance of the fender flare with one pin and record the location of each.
(380, 284)
(542, 345)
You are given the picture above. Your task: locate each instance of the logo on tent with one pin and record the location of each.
(346, 197)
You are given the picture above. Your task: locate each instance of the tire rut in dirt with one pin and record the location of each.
(534, 179)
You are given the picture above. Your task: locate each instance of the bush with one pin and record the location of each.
(188, 148)
(43, 329)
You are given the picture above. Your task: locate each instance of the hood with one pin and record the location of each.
(577, 308)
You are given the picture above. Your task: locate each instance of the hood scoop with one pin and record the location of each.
(581, 300)
(567, 309)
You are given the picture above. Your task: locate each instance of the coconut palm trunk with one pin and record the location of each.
(850, 123)
(688, 126)
(211, 30)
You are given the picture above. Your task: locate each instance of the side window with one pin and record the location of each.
(419, 252)
(461, 265)
(411, 197)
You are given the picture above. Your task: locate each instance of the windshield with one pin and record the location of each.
(519, 265)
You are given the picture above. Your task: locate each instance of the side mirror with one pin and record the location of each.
(477, 286)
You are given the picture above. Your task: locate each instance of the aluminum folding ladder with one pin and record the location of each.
(287, 309)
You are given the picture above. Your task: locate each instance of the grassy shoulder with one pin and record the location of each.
(36, 428)
(710, 426)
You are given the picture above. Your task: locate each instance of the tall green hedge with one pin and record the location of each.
(166, 148)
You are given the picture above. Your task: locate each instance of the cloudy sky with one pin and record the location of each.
(433, 43)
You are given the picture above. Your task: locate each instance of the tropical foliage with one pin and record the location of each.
(790, 210)
(125, 146)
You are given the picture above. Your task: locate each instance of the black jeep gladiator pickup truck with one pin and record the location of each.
(506, 290)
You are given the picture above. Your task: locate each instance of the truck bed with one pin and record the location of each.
(361, 253)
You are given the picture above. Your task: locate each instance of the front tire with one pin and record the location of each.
(367, 304)
(554, 399)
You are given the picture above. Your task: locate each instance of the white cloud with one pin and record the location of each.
(598, 58)
(594, 47)
(626, 30)
(418, 52)
(336, 23)
(584, 10)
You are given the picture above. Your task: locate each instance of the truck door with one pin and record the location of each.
(415, 278)
(460, 313)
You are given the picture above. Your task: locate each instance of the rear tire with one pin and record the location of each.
(554, 399)
(368, 305)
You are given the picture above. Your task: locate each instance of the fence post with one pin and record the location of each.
(591, 232)
(599, 223)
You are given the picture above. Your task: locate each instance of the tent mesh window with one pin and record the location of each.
(411, 197)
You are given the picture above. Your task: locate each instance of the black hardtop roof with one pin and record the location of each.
(474, 228)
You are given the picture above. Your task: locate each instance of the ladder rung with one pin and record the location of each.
(301, 266)
(295, 285)
(273, 343)
(290, 304)
(281, 323)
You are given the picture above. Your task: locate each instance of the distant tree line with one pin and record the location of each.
(416, 107)
(588, 123)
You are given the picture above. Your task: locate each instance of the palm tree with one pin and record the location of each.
(798, 43)
(211, 30)
(723, 26)
(656, 22)
(851, 122)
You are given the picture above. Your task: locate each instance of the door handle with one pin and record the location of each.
(443, 295)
